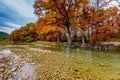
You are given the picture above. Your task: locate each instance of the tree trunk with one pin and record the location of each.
(69, 32)
(97, 8)
(69, 37)
(83, 40)
(58, 39)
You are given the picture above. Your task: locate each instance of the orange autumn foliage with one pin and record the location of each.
(82, 17)
(45, 27)
(64, 12)
(103, 33)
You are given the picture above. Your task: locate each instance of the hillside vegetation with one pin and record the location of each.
(3, 35)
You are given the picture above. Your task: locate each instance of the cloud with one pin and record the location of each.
(114, 3)
(22, 7)
(13, 25)
(15, 13)
(9, 27)
(6, 29)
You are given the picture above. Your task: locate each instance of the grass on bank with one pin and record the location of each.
(4, 42)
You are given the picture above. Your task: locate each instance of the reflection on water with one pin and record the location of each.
(100, 64)
(88, 56)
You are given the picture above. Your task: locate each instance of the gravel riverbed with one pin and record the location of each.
(13, 67)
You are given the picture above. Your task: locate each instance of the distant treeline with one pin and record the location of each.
(3, 35)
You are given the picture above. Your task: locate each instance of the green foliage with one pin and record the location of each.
(28, 39)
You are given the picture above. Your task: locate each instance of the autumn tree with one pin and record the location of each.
(103, 33)
(64, 12)
(15, 36)
(77, 17)
(83, 20)
(104, 15)
(48, 31)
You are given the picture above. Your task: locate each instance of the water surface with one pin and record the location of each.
(66, 63)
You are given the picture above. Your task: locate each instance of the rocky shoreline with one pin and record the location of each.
(14, 68)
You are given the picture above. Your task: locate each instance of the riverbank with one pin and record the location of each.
(103, 46)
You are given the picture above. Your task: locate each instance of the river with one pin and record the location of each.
(63, 63)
